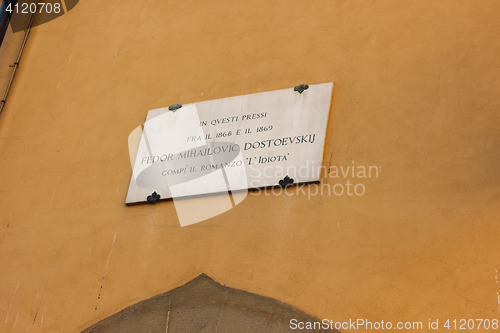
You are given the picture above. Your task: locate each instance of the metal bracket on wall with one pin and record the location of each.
(153, 198)
(301, 88)
(175, 107)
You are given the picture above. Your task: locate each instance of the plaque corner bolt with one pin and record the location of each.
(300, 88)
(153, 198)
(285, 182)
(175, 107)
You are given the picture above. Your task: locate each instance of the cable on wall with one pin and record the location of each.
(16, 63)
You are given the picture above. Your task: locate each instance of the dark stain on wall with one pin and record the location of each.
(204, 305)
(45, 11)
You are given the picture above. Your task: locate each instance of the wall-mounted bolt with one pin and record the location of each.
(285, 182)
(175, 107)
(301, 88)
(153, 198)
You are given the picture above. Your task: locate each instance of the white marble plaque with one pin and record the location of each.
(231, 144)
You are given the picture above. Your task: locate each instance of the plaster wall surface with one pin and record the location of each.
(417, 86)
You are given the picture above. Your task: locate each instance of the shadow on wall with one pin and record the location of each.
(46, 10)
(204, 305)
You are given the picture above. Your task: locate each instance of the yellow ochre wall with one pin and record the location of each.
(417, 93)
